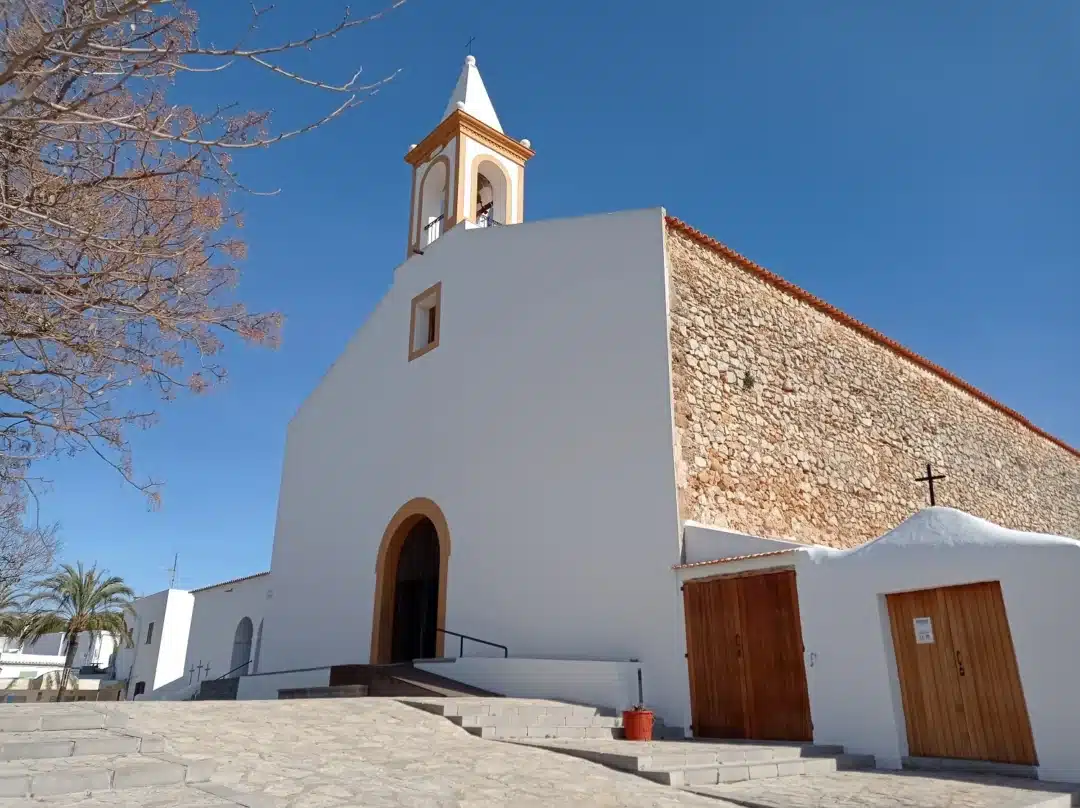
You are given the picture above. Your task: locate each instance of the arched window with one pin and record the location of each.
(492, 194)
(241, 650)
(433, 200)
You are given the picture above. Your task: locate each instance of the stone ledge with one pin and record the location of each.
(326, 692)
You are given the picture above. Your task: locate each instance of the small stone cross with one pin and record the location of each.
(200, 670)
(929, 479)
(191, 674)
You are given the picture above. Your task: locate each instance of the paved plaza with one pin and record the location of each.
(378, 753)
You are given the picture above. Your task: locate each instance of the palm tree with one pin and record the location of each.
(74, 600)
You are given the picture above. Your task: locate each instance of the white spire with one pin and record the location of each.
(471, 96)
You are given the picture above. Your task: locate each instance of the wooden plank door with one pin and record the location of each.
(711, 611)
(930, 691)
(777, 699)
(959, 683)
(998, 724)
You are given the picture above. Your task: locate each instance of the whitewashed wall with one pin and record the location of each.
(173, 639)
(705, 543)
(853, 681)
(217, 613)
(594, 683)
(160, 661)
(266, 686)
(541, 426)
(93, 649)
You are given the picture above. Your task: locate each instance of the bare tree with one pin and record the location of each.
(118, 244)
(27, 552)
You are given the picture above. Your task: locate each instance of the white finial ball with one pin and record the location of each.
(461, 105)
(526, 143)
(470, 59)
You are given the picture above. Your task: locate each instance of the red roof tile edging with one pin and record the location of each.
(827, 308)
(233, 581)
(694, 564)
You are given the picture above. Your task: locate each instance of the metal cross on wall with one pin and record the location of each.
(929, 479)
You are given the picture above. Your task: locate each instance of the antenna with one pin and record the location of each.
(172, 571)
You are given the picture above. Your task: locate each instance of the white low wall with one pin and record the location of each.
(178, 690)
(267, 685)
(705, 543)
(598, 684)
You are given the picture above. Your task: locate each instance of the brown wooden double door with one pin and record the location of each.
(745, 658)
(959, 680)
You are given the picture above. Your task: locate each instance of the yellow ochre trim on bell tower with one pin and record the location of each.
(462, 123)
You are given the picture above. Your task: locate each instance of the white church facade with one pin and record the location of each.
(605, 457)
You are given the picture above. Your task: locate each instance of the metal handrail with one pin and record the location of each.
(461, 650)
(434, 222)
(234, 670)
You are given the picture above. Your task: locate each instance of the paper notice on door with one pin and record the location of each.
(924, 630)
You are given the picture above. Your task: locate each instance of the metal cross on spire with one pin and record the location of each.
(469, 44)
(929, 479)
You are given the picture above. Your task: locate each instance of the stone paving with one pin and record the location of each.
(374, 753)
(877, 789)
(378, 753)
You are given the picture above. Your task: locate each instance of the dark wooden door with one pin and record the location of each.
(959, 681)
(745, 658)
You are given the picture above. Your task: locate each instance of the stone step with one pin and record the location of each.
(529, 720)
(50, 776)
(524, 708)
(37, 718)
(717, 773)
(521, 732)
(78, 743)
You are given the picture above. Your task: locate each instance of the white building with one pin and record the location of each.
(183, 638)
(498, 480)
(22, 663)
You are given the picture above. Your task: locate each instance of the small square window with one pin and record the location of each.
(424, 321)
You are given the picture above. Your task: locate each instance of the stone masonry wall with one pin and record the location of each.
(792, 424)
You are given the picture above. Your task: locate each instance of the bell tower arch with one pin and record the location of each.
(467, 169)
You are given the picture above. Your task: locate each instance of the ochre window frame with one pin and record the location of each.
(423, 297)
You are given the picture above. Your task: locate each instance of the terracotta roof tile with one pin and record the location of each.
(827, 308)
(734, 558)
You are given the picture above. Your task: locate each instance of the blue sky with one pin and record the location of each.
(916, 164)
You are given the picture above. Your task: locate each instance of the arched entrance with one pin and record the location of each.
(410, 587)
(241, 650)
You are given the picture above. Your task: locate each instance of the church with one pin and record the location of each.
(609, 459)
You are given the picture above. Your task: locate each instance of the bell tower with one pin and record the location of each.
(467, 169)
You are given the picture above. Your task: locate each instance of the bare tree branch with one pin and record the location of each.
(118, 244)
